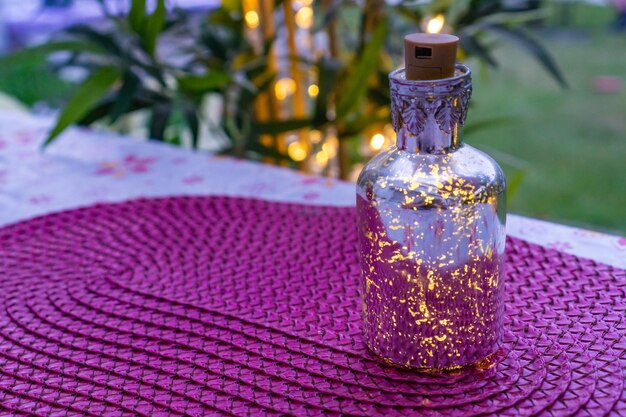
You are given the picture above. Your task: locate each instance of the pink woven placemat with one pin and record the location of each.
(214, 305)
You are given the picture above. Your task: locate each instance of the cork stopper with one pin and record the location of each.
(429, 56)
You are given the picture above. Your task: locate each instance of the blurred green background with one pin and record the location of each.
(570, 144)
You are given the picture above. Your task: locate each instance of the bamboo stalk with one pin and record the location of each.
(266, 105)
(341, 158)
(299, 96)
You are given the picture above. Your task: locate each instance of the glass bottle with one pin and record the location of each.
(431, 222)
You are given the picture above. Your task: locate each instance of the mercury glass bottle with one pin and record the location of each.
(431, 220)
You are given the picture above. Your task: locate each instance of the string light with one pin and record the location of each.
(313, 90)
(315, 136)
(304, 17)
(330, 146)
(435, 24)
(377, 142)
(296, 151)
(284, 88)
(252, 19)
(321, 157)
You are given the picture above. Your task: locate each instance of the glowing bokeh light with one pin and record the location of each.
(284, 88)
(296, 151)
(304, 17)
(313, 90)
(252, 19)
(435, 24)
(377, 142)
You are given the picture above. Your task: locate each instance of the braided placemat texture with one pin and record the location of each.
(216, 305)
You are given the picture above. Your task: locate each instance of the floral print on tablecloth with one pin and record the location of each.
(85, 167)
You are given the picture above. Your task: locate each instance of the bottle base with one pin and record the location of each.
(486, 363)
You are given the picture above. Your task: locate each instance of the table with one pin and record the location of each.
(205, 305)
(86, 166)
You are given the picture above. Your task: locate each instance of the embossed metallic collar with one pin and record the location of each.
(427, 114)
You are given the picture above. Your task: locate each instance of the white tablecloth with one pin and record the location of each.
(84, 167)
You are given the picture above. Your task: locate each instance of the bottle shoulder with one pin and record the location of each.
(464, 173)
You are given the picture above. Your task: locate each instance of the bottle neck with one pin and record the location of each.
(431, 140)
(428, 115)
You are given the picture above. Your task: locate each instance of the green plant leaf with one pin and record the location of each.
(150, 67)
(363, 66)
(142, 99)
(280, 126)
(83, 99)
(125, 95)
(103, 108)
(217, 42)
(210, 81)
(191, 118)
(472, 46)
(103, 40)
(28, 55)
(136, 15)
(159, 120)
(510, 19)
(153, 26)
(327, 74)
(535, 48)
